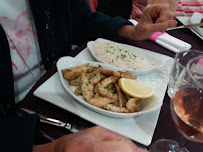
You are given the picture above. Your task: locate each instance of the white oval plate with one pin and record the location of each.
(157, 62)
(196, 18)
(148, 105)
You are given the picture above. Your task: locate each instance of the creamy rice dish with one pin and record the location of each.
(114, 55)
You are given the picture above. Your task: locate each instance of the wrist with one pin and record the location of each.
(127, 32)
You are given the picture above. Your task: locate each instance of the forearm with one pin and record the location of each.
(101, 25)
(43, 148)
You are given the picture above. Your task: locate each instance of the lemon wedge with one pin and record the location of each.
(135, 88)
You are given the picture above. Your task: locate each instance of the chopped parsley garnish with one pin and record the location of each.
(123, 55)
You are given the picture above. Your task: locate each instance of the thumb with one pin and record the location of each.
(163, 26)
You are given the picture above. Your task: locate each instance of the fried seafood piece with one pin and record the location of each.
(111, 87)
(76, 67)
(109, 80)
(127, 96)
(100, 102)
(122, 100)
(127, 74)
(75, 82)
(94, 77)
(78, 91)
(104, 92)
(73, 74)
(96, 88)
(96, 92)
(97, 95)
(107, 72)
(111, 107)
(133, 104)
(103, 76)
(87, 88)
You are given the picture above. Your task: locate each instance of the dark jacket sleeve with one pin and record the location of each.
(19, 133)
(88, 25)
(121, 8)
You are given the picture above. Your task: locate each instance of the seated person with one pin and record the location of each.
(58, 25)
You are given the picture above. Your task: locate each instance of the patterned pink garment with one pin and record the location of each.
(188, 7)
(137, 8)
(184, 8)
(21, 33)
(16, 22)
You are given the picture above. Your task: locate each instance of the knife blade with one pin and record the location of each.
(52, 121)
(185, 26)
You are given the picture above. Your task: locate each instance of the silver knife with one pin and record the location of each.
(185, 26)
(52, 121)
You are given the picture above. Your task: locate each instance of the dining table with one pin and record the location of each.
(165, 127)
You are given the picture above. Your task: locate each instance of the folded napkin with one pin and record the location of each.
(167, 41)
(170, 42)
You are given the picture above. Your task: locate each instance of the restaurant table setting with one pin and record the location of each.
(50, 98)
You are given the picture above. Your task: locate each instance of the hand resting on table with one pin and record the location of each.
(95, 139)
(155, 18)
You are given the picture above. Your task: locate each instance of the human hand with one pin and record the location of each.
(95, 139)
(155, 18)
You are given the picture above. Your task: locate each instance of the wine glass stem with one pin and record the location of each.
(183, 144)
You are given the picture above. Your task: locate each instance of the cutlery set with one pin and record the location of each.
(185, 26)
(52, 121)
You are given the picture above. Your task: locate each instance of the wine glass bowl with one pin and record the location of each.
(180, 60)
(186, 107)
(187, 101)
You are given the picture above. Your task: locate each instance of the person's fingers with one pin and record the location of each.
(168, 16)
(158, 12)
(101, 134)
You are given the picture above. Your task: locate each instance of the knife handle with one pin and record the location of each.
(51, 121)
(54, 122)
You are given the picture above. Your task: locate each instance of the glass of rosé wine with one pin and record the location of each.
(186, 107)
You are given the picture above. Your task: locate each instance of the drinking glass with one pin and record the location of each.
(186, 107)
(179, 62)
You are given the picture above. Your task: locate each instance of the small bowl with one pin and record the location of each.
(137, 51)
(196, 18)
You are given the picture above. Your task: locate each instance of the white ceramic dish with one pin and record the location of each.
(148, 105)
(143, 53)
(196, 18)
(139, 129)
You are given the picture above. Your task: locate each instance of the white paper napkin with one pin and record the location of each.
(167, 41)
